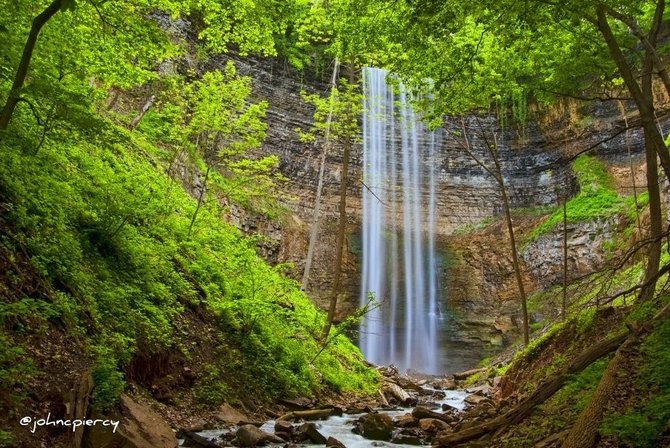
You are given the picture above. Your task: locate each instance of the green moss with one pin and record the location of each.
(597, 198)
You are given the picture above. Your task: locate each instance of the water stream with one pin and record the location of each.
(340, 427)
(398, 237)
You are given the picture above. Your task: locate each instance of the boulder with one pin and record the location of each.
(376, 426)
(140, 427)
(405, 421)
(433, 425)
(309, 431)
(229, 415)
(332, 442)
(284, 429)
(251, 436)
(408, 437)
(475, 399)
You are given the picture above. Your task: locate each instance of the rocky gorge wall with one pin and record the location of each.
(480, 290)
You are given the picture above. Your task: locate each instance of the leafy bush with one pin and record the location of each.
(596, 199)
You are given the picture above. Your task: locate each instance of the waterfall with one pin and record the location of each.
(398, 235)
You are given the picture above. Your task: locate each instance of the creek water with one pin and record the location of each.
(340, 427)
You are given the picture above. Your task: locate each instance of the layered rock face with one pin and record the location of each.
(480, 291)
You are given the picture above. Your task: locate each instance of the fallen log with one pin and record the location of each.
(584, 432)
(545, 391)
(468, 373)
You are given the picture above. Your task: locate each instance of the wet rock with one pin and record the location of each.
(408, 436)
(197, 425)
(421, 413)
(446, 407)
(433, 425)
(376, 426)
(284, 429)
(250, 436)
(484, 390)
(309, 431)
(195, 440)
(406, 421)
(332, 442)
(445, 383)
(475, 399)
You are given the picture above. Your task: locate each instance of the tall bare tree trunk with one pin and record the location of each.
(515, 261)
(496, 173)
(22, 71)
(150, 102)
(314, 231)
(584, 433)
(201, 198)
(643, 102)
(342, 227)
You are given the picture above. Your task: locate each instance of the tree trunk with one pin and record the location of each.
(545, 391)
(314, 233)
(201, 197)
(655, 214)
(584, 432)
(644, 103)
(150, 102)
(515, 261)
(22, 71)
(341, 231)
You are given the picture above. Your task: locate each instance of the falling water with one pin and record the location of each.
(399, 259)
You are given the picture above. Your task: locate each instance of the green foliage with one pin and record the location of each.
(335, 117)
(7, 439)
(641, 425)
(16, 371)
(597, 198)
(211, 389)
(109, 383)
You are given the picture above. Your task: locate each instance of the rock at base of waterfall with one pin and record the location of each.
(376, 426)
(408, 436)
(250, 436)
(421, 412)
(308, 431)
(433, 425)
(475, 399)
(405, 421)
(284, 429)
(444, 384)
(332, 442)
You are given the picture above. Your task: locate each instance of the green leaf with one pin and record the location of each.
(67, 5)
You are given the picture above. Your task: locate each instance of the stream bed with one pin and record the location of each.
(341, 427)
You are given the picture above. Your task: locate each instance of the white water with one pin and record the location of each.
(399, 262)
(340, 427)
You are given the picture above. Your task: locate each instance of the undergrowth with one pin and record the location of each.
(641, 425)
(108, 230)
